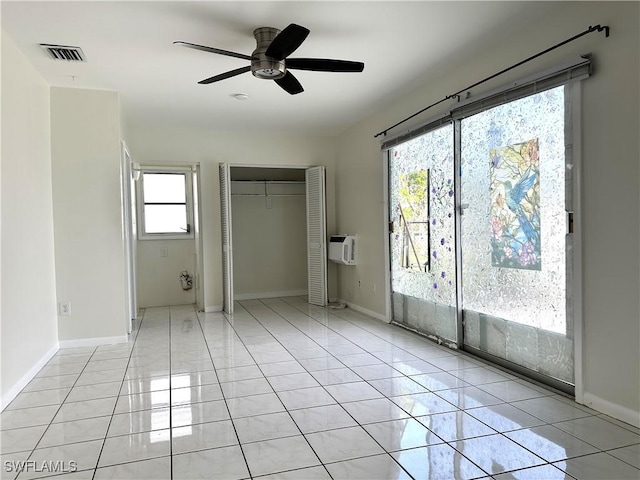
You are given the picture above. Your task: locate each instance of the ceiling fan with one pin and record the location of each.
(270, 60)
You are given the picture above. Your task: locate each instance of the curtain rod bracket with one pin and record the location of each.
(600, 28)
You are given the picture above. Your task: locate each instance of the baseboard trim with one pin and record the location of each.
(253, 296)
(92, 342)
(365, 311)
(8, 397)
(213, 308)
(614, 410)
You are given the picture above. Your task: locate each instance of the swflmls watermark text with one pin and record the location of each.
(47, 466)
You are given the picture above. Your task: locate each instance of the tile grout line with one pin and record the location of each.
(267, 326)
(35, 447)
(411, 416)
(384, 396)
(503, 402)
(133, 412)
(106, 433)
(278, 396)
(444, 442)
(170, 327)
(224, 397)
(322, 386)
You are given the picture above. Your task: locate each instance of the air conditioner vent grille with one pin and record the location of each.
(63, 52)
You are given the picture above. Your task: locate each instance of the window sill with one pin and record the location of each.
(167, 236)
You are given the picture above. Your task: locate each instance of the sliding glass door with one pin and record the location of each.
(422, 246)
(514, 234)
(482, 261)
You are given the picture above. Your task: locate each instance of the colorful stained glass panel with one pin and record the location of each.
(515, 206)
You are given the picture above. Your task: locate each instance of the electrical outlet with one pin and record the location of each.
(64, 308)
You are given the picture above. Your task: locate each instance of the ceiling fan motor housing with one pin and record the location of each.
(263, 66)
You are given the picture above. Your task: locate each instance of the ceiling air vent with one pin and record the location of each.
(63, 52)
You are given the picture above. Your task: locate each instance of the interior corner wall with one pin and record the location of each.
(87, 207)
(29, 334)
(159, 144)
(610, 181)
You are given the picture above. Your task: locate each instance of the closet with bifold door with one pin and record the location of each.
(265, 232)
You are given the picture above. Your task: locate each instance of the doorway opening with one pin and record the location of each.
(274, 233)
(168, 241)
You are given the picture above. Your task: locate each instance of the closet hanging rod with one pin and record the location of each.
(279, 182)
(267, 195)
(596, 28)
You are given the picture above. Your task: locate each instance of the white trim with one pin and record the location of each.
(8, 397)
(129, 236)
(632, 417)
(578, 326)
(177, 167)
(364, 311)
(387, 238)
(212, 308)
(93, 342)
(252, 296)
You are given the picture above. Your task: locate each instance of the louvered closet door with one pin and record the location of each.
(316, 236)
(227, 252)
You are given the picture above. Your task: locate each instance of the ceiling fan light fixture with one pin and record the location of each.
(268, 70)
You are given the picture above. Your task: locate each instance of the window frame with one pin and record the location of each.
(140, 203)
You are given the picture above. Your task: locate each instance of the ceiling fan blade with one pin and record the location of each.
(324, 65)
(287, 41)
(213, 50)
(222, 76)
(290, 84)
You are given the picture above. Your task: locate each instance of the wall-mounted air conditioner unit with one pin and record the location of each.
(342, 249)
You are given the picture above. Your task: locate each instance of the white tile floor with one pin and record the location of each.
(291, 391)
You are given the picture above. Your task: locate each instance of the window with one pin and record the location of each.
(165, 203)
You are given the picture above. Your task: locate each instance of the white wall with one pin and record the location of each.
(159, 276)
(28, 329)
(85, 152)
(269, 246)
(158, 144)
(611, 204)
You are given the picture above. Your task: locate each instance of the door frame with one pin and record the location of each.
(272, 166)
(130, 235)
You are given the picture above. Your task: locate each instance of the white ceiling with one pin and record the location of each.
(129, 49)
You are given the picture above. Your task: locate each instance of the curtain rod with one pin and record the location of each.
(596, 28)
